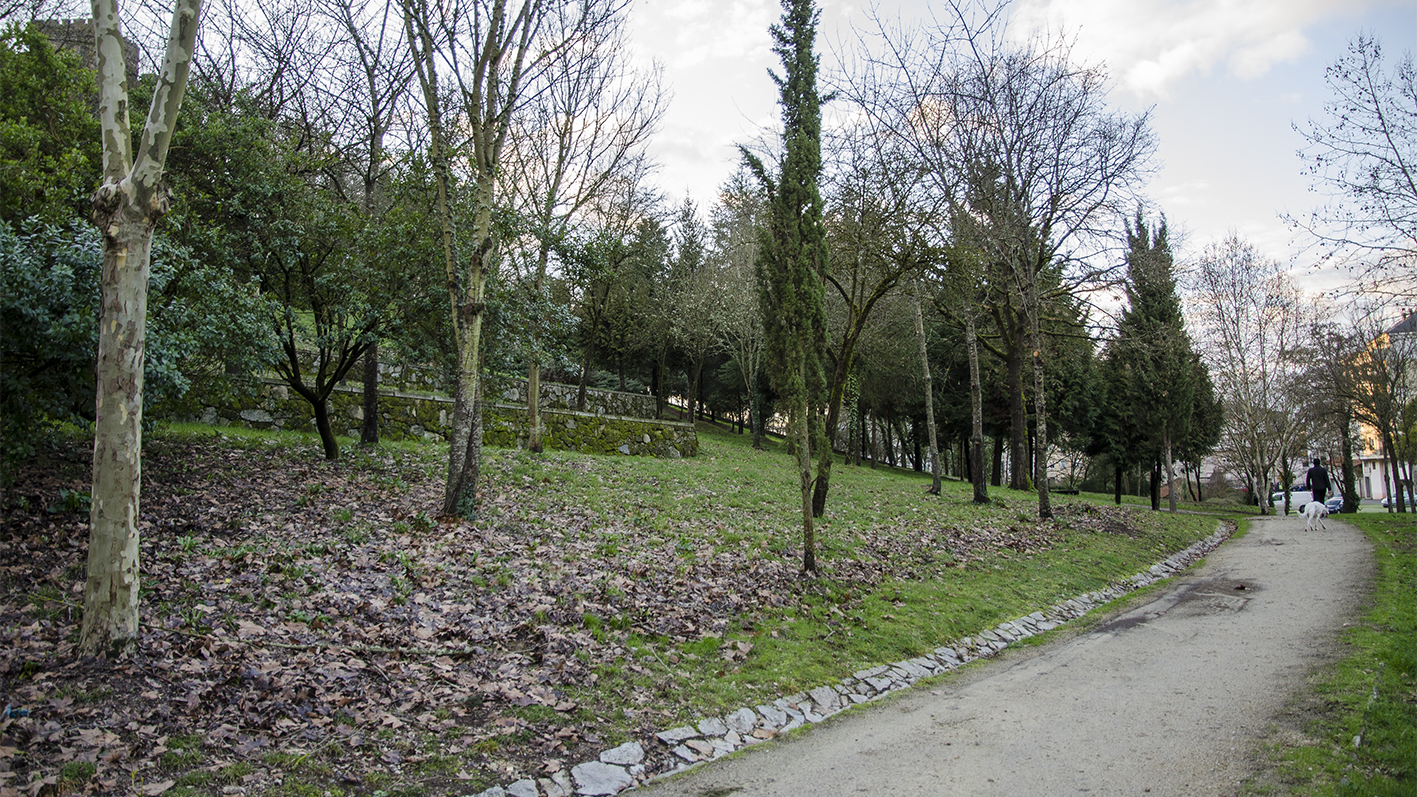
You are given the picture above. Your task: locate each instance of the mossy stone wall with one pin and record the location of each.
(429, 416)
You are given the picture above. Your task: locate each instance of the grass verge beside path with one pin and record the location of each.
(310, 628)
(1361, 740)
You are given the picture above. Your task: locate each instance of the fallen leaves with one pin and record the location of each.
(735, 650)
(294, 604)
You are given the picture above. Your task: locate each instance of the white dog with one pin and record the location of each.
(1314, 511)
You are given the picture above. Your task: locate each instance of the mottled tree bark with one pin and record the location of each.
(126, 208)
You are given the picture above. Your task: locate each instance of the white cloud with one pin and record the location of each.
(1191, 193)
(715, 55)
(1150, 44)
(691, 35)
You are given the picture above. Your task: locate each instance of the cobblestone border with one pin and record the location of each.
(714, 737)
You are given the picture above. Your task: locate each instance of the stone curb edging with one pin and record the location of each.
(623, 767)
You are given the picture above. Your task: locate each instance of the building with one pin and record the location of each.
(1371, 466)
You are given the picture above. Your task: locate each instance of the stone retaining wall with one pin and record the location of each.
(429, 416)
(563, 397)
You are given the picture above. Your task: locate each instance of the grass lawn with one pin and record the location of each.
(1358, 734)
(311, 627)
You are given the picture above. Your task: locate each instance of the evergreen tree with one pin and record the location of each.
(49, 143)
(1152, 373)
(1207, 420)
(793, 253)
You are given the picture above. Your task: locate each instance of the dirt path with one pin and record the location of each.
(1167, 698)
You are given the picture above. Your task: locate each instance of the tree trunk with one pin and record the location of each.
(585, 376)
(321, 408)
(1350, 479)
(693, 377)
(110, 618)
(369, 431)
(1170, 476)
(976, 414)
(996, 475)
(870, 441)
(916, 464)
(929, 396)
(755, 418)
(804, 472)
(460, 494)
(1398, 494)
(1155, 486)
(534, 431)
(824, 474)
(1018, 420)
(654, 389)
(1117, 484)
(126, 207)
(1040, 403)
(466, 300)
(840, 378)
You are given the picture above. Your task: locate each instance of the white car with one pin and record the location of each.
(1297, 499)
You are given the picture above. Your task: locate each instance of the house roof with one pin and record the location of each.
(1406, 326)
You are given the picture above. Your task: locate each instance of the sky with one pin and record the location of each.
(1225, 81)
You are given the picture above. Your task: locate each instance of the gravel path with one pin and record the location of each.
(1167, 698)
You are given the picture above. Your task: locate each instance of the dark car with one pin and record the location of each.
(1334, 504)
(1388, 502)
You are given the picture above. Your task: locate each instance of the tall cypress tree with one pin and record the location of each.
(1151, 364)
(792, 255)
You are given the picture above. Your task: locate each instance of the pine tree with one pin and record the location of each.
(792, 255)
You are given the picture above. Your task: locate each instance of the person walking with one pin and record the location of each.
(1317, 481)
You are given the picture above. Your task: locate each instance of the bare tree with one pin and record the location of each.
(493, 55)
(961, 276)
(274, 52)
(880, 216)
(600, 260)
(1378, 379)
(737, 319)
(126, 208)
(1364, 157)
(589, 125)
(1253, 323)
(934, 451)
(1020, 138)
(369, 75)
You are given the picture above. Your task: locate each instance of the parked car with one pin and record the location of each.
(1297, 499)
(1392, 501)
(1334, 504)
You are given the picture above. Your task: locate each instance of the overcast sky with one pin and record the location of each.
(1225, 80)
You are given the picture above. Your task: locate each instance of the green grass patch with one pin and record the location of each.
(901, 571)
(73, 775)
(184, 751)
(1364, 741)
